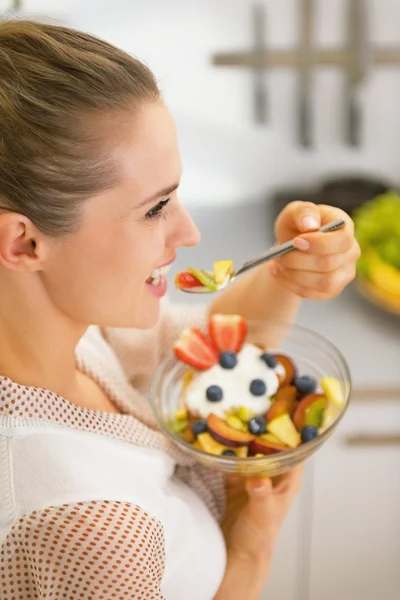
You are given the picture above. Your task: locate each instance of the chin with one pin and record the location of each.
(142, 314)
(144, 317)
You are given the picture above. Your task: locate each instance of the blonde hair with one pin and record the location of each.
(58, 87)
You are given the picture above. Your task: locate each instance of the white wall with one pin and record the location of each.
(226, 156)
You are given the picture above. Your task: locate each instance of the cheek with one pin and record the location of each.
(98, 275)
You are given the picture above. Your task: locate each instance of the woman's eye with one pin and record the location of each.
(157, 211)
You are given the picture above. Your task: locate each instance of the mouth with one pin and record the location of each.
(157, 275)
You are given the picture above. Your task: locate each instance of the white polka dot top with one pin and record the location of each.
(100, 506)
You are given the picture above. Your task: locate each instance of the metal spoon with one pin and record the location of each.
(274, 252)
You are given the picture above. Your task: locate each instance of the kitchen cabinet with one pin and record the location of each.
(355, 528)
(342, 538)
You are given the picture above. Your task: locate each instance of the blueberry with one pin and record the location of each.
(199, 426)
(228, 360)
(214, 393)
(269, 360)
(305, 385)
(228, 453)
(308, 433)
(258, 387)
(257, 425)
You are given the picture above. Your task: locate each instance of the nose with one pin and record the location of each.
(185, 232)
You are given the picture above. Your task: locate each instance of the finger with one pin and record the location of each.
(304, 261)
(307, 284)
(232, 480)
(332, 213)
(290, 483)
(320, 263)
(325, 283)
(259, 490)
(333, 242)
(299, 216)
(329, 242)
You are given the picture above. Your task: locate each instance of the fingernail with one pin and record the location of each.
(310, 223)
(258, 485)
(301, 244)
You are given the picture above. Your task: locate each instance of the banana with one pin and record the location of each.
(383, 275)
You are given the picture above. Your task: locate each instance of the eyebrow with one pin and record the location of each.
(160, 194)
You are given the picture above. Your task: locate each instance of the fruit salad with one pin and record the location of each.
(198, 280)
(238, 399)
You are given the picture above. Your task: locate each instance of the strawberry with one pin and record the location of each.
(186, 280)
(194, 348)
(228, 332)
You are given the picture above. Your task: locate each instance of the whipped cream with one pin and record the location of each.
(235, 385)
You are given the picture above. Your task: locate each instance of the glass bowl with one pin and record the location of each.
(312, 354)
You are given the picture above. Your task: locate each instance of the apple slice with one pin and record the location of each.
(194, 348)
(204, 278)
(333, 390)
(285, 403)
(284, 430)
(222, 268)
(289, 368)
(300, 415)
(228, 332)
(262, 445)
(223, 433)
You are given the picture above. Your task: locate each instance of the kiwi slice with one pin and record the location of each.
(205, 279)
(315, 414)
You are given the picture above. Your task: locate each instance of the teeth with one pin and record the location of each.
(164, 270)
(156, 275)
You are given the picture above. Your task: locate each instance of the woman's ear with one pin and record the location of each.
(19, 243)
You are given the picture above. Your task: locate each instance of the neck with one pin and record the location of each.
(38, 342)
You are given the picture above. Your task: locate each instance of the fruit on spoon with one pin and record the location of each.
(222, 268)
(210, 281)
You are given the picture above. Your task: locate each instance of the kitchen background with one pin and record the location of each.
(342, 539)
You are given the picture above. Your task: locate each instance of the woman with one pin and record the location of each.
(94, 501)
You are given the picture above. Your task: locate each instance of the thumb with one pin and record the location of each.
(258, 491)
(306, 216)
